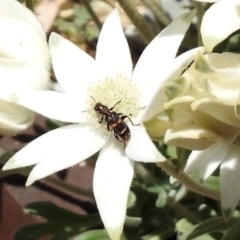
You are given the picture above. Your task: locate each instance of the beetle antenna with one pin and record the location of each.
(93, 99)
(90, 108)
(87, 110)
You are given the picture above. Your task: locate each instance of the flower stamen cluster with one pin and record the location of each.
(108, 92)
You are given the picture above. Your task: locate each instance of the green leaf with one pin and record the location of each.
(154, 185)
(81, 15)
(101, 235)
(131, 200)
(66, 27)
(92, 32)
(61, 223)
(216, 224)
(171, 151)
(52, 124)
(133, 221)
(182, 156)
(162, 199)
(186, 228)
(93, 235)
(233, 233)
(212, 182)
(35, 231)
(161, 233)
(21, 171)
(212, 225)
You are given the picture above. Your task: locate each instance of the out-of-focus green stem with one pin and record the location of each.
(68, 187)
(92, 13)
(29, 4)
(200, 12)
(142, 172)
(62, 185)
(188, 182)
(140, 23)
(157, 11)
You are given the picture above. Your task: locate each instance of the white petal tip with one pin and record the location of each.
(115, 233)
(189, 15)
(115, 12)
(11, 164)
(227, 213)
(30, 181)
(161, 158)
(54, 38)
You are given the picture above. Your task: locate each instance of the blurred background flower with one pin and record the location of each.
(201, 105)
(25, 63)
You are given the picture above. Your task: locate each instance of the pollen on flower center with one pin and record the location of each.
(108, 92)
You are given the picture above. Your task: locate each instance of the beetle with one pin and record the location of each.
(115, 121)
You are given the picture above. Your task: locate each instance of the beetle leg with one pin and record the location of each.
(101, 119)
(109, 127)
(123, 117)
(115, 105)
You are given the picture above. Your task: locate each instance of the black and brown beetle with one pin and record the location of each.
(115, 121)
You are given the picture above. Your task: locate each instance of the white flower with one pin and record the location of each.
(108, 79)
(203, 102)
(24, 63)
(227, 156)
(221, 104)
(209, 101)
(219, 21)
(208, 92)
(201, 107)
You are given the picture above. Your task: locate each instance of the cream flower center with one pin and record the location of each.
(108, 92)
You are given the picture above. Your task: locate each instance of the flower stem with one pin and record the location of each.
(158, 12)
(142, 172)
(68, 187)
(29, 5)
(62, 185)
(140, 23)
(200, 12)
(92, 13)
(188, 182)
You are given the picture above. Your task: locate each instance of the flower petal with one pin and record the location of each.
(218, 110)
(51, 104)
(111, 183)
(17, 76)
(113, 55)
(206, 162)
(141, 148)
(229, 179)
(26, 43)
(14, 8)
(83, 139)
(157, 127)
(194, 161)
(160, 53)
(224, 13)
(191, 137)
(156, 104)
(74, 68)
(215, 155)
(14, 118)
